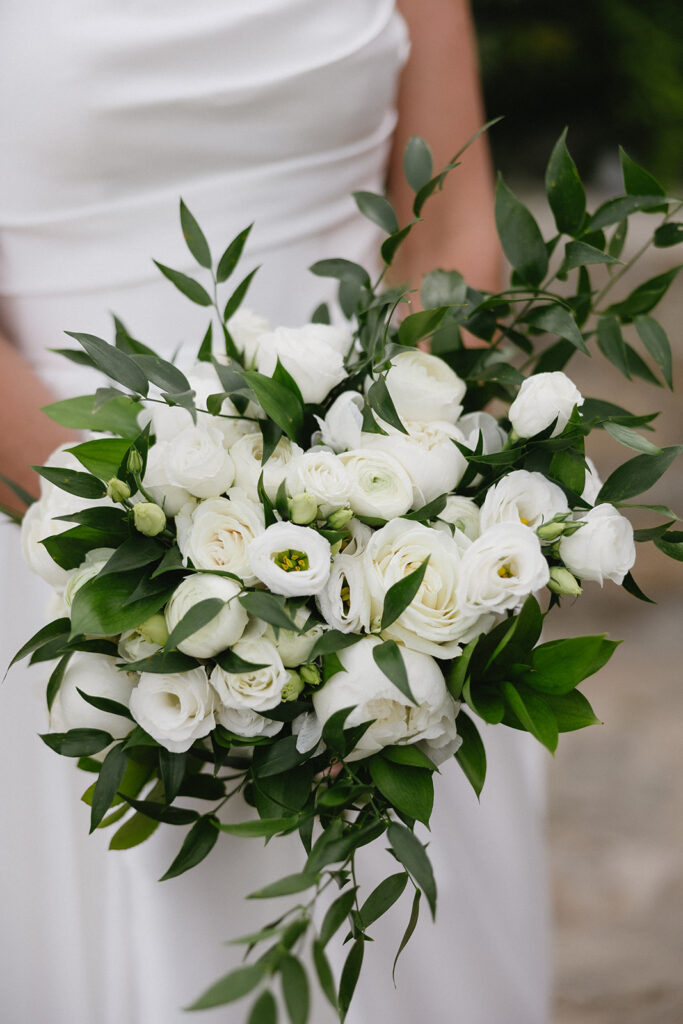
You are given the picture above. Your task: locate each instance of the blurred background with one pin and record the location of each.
(611, 70)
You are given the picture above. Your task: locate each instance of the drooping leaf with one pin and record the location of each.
(637, 475)
(611, 344)
(349, 977)
(324, 973)
(533, 713)
(77, 742)
(336, 914)
(417, 163)
(133, 832)
(232, 986)
(269, 607)
(261, 828)
(632, 439)
(378, 209)
(190, 288)
(60, 628)
(520, 237)
(655, 340)
(285, 886)
(471, 755)
(412, 854)
(112, 361)
(381, 402)
(295, 989)
(199, 842)
(382, 898)
(401, 593)
(409, 790)
(172, 770)
(387, 656)
(580, 254)
(408, 933)
(264, 1010)
(108, 782)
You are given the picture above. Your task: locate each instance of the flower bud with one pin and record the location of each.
(562, 582)
(303, 508)
(292, 688)
(149, 518)
(118, 490)
(310, 675)
(134, 463)
(550, 531)
(154, 629)
(340, 518)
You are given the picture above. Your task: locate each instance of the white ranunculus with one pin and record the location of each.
(294, 648)
(472, 424)
(197, 461)
(423, 387)
(522, 497)
(313, 355)
(218, 533)
(380, 486)
(246, 328)
(344, 602)
(341, 428)
(436, 621)
(461, 513)
(593, 483)
(603, 549)
(98, 676)
(291, 560)
(246, 723)
(156, 482)
(541, 400)
(222, 631)
(396, 720)
(247, 454)
(259, 689)
(323, 475)
(174, 708)
(95, 560)
(133, 646)
(501, 568)
(427, 453)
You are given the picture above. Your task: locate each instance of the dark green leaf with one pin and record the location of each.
(611, 344)
(163, 662)
(190, 288)
(638, 181)
(349, 977)
(232, 986)
(377, 209)
(637, 475)
(111, 361)
(632, 439)
(55, 680)
(618, 239)
(471, 755)
(324, 972)
(279, 402)
(332, 640)
(443, 288)
(108, 782)
(285, 886)
(264, 1010)
(294, 989)
(457, 670)
(417, 163)
(194, 237)
(412, 854)
(137, 551)
(655, 340)
(382, 898)
(232, 663)
(169, 815)
(103, 605)
(558, 320)
(408, 755)
(409, 790)
(77, 742)
(81, 484)
(407, 935)
(238, 296)
(198, 616)
(381, 402)
(429, 511)
(520, 237)
(164, 374)
(400, 594)
(231, 256)
(667, 235)
(321, 314)
(198, 843)
(565, 192)
(420, 325)
(278, 757)
(571, 710)
(106, 704)
(103, 456)
(172, 770)
(206, 347)
(580, 254)
(261, 828)
(618, 209)
(336, 914)
(534, 715)
(388, 658)
(342, 270)
(269, 607)
(646, 296)
(391, 244)
(53, 631)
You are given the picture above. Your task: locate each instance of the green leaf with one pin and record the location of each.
(295, 989)
(269, 607)
(279, 402)
(420, 325)
(335, 915)
(443, 288)
(194, 237)
(412, 854)
(571, 710)
(471, 755)
(616, 245)
(580, 254)
(655, 340)
(235, 665)
(645, 297)
(638, 181)
(77, 742)
(199, 842)
(341, 270)
(285, 886)
(278, 757)
(324, 972)
(231, 256)
(238, 296)
(387, 656)
(408, 755)
(611, 344)
(520, 237)
(381, 402)
(133, 832)
(108, 782)
(100, 607)
(409, 790)
(198, 616)
(558, 320)
(407, 935)
(163, 662)
(164, 812)
(382, 898)
(637, 475)
(332, 640)
(618, 209)
(262, 828)
(172, 770)
(429, 511)
(401, 593)
(106, 704)
(417, 163)
(190, 288)
(103, 456)
(70, 480)
(560, 665)
(164, 374)
(111, 361)
(53, 630)
(349, 977)
(206, 347)
(118, 416)
(55, 680)
(377, 209)
(232, 986)
(264, 1010)
(632, 439)
(457, 670)
(566, 194)
(668, 234)
(534, 715)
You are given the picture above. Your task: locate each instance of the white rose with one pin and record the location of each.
(95, 560)
(198, 462)
(602, 549)
(423, 387)
(247, 454)
(461, 513)
(175, 709)
(313, 355)
(472, 424)
(259, 689)
(341, 428)
(291, 560)
(523, 497)
(427, 453)
(156, 482)
(223, 630)
(396, 720)
(218, 533)
(593, 483)
(501, 568)
(246, 723)
(98, 676)
(436, 620)
(294, 648)
(542, 399)
(323, 475)
(380, 486)
(344, 602)
(246, 328)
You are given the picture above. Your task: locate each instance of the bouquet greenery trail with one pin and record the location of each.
(300, 569)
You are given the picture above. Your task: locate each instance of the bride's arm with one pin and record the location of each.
(27, 436)
(440, 99)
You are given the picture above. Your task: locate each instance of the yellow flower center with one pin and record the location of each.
(523, 520)
(505, 572)
(292, 560)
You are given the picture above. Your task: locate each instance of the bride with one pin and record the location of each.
(264, 110)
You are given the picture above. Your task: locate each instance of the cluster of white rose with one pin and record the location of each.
(345, 542)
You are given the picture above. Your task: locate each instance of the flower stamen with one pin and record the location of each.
(292, 560)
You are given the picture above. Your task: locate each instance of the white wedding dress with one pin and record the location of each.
(264, 110)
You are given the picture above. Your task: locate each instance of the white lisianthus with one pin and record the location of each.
(323, 475)
(396, 720)
(291, 560)
(222, 631)
(344, 602)
(258, 689)
(462, 514)
(472, 424)
(156, 482)
(174, 708)
(501, 568)
(427, 453)
(247, 454)
(602, 549)
(423, 387)
(359, 535)
(341, 428)
(541, 400)
(198, 462)
(294, 648)
(246, 723)
(523, 497)
(380, 486)
(95, 560)
(98, 676)
(246, 328)
(313, 355)
(218, 533)
(592, 484)
(436, 620)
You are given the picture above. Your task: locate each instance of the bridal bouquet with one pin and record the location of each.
(301, 568)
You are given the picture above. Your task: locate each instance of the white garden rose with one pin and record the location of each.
(341, 428)
(291, 560)
(156, 482)
(472, 424)
(323, 475)
(174, 708)
(396, 720)
(313, 355)
(344, 602)
(380, 486)
(222, 631)
(246, 328)
(501, 568)
(247, 454)
(294, 648)
(423, 387)
(541, 400)
(522, 497)
(258, 689)
(98, 676)
(246, 723)
(592, 484)
(198, 462)
(94, 561)
(427, 453)
(603, 549)
(436, 621)
(460, 513)
(218, 533)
